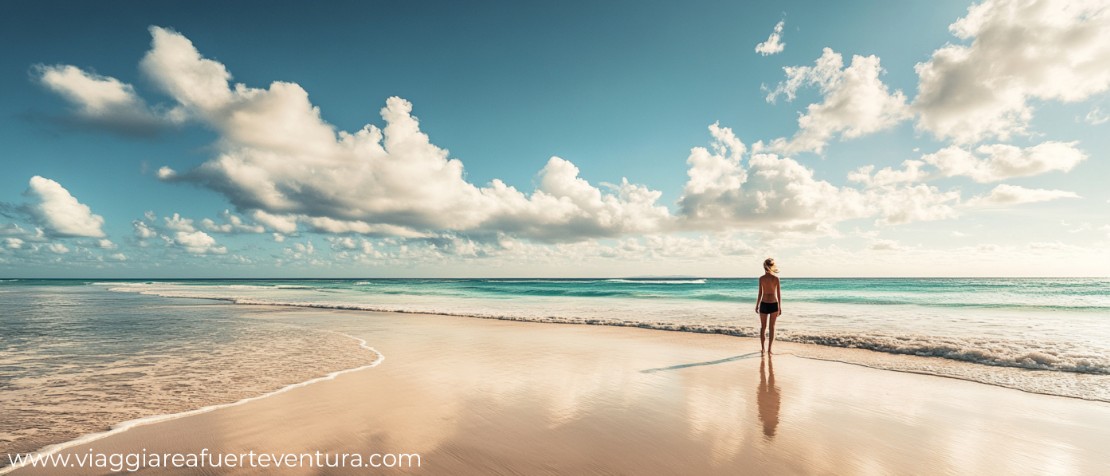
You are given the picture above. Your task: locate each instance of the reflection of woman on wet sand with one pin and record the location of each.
(768, 397)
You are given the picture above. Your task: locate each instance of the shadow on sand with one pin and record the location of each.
(699, 364)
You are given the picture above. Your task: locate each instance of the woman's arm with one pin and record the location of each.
(778, 294)
(759, 297)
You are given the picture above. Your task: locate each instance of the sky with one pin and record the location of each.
(554, 139)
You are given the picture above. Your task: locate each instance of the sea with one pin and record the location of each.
(83, 356)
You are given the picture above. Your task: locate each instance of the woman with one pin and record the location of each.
(769, 303)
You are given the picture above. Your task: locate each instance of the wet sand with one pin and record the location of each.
(477, 396)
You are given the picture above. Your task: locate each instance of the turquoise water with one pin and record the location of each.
(1023, 293)
(78, 356)
(78, 359)
(1045, 324)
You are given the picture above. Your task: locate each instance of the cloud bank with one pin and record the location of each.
(1020, 51)
(286, 170)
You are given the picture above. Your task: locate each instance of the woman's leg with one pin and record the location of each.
(762, 330)
(770, 335)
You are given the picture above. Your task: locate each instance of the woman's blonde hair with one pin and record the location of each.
(769, 266)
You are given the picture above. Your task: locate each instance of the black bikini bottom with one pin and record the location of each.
(768, 307)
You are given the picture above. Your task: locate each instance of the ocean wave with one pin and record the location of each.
(530, 281)
(127, 425)
(983, 351)
(656, 281)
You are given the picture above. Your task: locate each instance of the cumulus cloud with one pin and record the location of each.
(905, 204)
(232, 223)
(993, 163)
(143, 231)
(778, 193)
(59, 212)
(1020, 51)
(283, 224)
(1096, 116)
(286, 170)
(1005, 194)
(104, 102)
(886, 245)
(282, 164)
(774, 44)
(198, 242)
(910, 172)
(855, 102)
(176, 231)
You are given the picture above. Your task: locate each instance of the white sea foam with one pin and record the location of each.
(127, 425)
(657, 281)
(984, 341)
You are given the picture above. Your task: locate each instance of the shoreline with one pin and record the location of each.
(124, 426)
(952, 364)
(649, 346)
(311, 307)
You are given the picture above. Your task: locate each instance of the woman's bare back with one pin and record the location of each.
(769, 284)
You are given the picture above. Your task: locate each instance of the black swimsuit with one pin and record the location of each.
(768, 307)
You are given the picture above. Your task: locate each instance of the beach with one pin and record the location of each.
(474, 396)
(547, 238)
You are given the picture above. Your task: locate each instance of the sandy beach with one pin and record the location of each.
(475, 396)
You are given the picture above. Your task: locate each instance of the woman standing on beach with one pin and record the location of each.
(769, 303)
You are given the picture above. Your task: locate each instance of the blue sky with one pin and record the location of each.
(1007, 181)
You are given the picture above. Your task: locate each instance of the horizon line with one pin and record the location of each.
(538, 277)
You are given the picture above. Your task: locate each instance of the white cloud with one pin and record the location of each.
(886, 245)
(103, 101)
(58, 248)
(855, 102)
(1080, 228)
(1005, 194)
(179, 223)
(143, 231)
(359, 245)
(13, 243)
(301, 251)
(59, 213)
(198, 242)
(1020, 51)
(176, 231)
(284, 224)
(106, 244)
(1096, 116)
(774, 43)
(232, 223)
(905, 204)
(911, 172)
(1001, 161)
(780, 194)
(282, 164)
